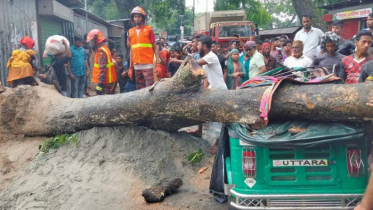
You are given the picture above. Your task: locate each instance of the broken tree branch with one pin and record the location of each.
(175, 103)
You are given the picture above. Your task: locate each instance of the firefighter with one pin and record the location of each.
(143, 48)
(103, 73)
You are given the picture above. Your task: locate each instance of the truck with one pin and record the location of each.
(224, 26)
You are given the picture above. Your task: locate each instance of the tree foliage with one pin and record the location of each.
(282, 13)
(254, 10)
(163, 15)
(103, 9)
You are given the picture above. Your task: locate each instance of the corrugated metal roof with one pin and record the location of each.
(280, 31)
(17, 20)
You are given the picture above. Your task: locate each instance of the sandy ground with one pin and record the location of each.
(16, 151)
(108, 169)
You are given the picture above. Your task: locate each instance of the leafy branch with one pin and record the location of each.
(196, 157)
(58, 141)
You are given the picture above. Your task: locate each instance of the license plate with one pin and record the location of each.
(286, 163)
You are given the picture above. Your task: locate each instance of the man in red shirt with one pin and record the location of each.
(352, 65)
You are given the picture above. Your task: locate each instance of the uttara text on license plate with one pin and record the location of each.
(283, 163)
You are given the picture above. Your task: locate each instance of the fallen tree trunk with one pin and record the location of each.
(176, 103)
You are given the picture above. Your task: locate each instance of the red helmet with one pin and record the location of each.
(27, 41)
(95, 32)
(137, 10)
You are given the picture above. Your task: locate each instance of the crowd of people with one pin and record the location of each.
(150, 60)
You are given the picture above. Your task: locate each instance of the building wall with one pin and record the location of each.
(80, 26)
(16, 21)
(350, 28)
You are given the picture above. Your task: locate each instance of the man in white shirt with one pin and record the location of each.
(215, 78)
(257, 64)
(211, 64)
(310, 36)
(298, 59)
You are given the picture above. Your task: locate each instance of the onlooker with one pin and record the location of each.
(163, 40)
(143, 49)
(349, 47)
(275, 43)
(337, 29)
(21, 64)
(59, 64)
(259, 45)
(351, 65)
(283, 38)
(331, 59)
(269, 60)
(161, 68)
(172, 65)
(79, 68)
(131, 83)
(298, 59)
(211, 65)
(245, 60)
(215, 49)
(257, 65)
(215, 79)
(367, 72)
(287, 51)
(122, 80)
(310, 36)
(196, 55)
(235, 73)
(370, 22)
(218, 49)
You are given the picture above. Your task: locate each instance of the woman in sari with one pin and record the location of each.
(236, 71)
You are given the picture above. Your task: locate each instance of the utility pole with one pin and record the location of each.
(181, 27)
(207, 5)
(86, 16)
(194, 7)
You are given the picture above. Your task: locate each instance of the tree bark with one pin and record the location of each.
(308, 7)
(175, 103)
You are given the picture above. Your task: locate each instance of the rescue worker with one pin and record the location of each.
(143, 48)
(21, 64)
(103, 73)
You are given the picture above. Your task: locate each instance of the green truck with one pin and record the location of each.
(297, 165)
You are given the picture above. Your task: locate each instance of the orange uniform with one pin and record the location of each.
(109, 76)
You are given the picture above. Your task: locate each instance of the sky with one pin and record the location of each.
(201, 5)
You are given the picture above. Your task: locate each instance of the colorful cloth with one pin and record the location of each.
(273, 83)
(19, 65)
